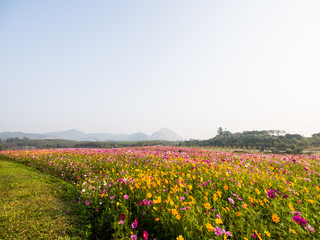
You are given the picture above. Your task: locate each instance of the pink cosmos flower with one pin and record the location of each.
(126, 196)
(310, 228)
(231, 200)
(218, 231)
(297, 213)
(145, 201)
(134, 237)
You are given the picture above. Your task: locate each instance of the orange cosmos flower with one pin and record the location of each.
(275, 218)
(207, 206)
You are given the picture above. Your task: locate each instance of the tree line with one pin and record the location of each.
(275, 141)
(27, 143)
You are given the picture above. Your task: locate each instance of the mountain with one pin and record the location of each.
(73, 134)
(139, 136)
(165, 134)
(6, 135)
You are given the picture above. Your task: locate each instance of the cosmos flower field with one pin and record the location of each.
(185, 193)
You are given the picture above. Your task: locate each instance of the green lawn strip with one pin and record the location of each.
(34, 205)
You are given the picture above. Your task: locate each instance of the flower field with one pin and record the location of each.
(184, 193)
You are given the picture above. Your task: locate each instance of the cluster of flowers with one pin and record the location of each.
(184, 193)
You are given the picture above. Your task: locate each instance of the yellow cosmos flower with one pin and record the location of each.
(219, 194)
(180, 237)
(149, 195)
(238, 214)
(225, 187)
(215, 197)
(218, 221)
(267, 233)
(209, 227)
(291, 207)
(178, 217)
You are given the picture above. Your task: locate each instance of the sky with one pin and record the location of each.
(138, 66)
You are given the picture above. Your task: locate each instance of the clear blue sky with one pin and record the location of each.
(129, 66)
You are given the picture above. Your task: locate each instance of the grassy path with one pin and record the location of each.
(34, 205)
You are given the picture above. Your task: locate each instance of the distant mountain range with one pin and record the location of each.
(73, 134)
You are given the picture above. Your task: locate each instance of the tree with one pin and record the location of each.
(220, 131)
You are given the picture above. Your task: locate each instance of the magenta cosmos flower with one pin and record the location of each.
(145, 235)
(270, 194)
(300, 220)
(135, 223)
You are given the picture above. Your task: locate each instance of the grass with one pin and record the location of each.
(34, 205)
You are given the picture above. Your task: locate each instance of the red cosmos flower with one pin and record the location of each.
(300, 220)
(122, 217)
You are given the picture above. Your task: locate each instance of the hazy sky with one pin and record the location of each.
(129, 66)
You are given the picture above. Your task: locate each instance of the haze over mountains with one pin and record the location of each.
(73, 134)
